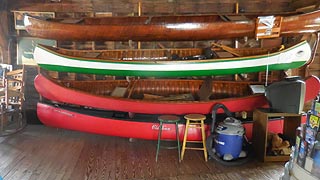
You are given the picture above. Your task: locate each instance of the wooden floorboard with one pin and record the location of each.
(43, 153)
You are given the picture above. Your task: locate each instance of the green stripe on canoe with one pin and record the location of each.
(171, 73)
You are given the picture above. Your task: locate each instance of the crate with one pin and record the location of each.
(260, 131)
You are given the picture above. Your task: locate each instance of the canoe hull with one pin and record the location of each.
(290, 58)
(55, 92)
(167, 28)
(128, 128)
(66, 119)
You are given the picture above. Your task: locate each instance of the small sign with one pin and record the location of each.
(314, 121)
(268, 27)
(19, 17)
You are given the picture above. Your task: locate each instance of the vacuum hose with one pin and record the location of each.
(214, 114)
(212, 137)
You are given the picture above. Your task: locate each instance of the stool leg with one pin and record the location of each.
(204, 141)
(185, 139)
(178, 141)
(159, 140)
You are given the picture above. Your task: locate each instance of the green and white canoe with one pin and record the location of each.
(63, 61)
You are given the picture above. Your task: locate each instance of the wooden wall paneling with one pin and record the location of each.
(105, 45)
(148, 7)
(87, 45)
(4, 35)
(65, 44)
(147, 45)
(63, 6)
(103, 6)
(314, 68)
(265, 7)
(217, 7)
(123, 9)
(183, 44)
(3, 29)
(159, 8)
(199, 8)
(296, 4)
(202, 44)
(54, 7)
(3, 25)
(164, 44)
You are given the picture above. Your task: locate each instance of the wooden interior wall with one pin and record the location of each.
(80, 8)
(303, 4)
(127, 7)
(314, 68)
(157, 6)
(3, 33)
(3, 29)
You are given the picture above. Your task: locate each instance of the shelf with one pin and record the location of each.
(260, 131)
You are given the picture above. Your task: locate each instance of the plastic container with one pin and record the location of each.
(229, 137)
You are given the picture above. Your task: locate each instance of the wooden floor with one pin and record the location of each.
(41, 153)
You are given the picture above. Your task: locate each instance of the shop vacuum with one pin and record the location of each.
(227, 141)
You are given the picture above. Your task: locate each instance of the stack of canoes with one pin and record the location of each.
(163, 96)
(86, 105)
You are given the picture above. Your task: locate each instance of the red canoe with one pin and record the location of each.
(100, 124)
(145, 128)
(234, 95)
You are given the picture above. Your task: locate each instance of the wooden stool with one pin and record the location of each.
(195, 121)
(168, 119)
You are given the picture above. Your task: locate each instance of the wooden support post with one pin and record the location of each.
(139, 14)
